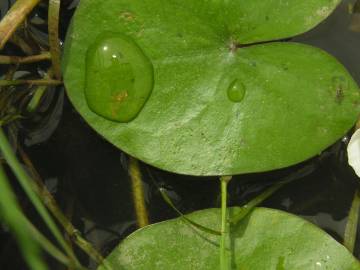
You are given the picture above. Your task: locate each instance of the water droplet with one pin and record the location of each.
(119, 77)
(345, 140)
(236, 91)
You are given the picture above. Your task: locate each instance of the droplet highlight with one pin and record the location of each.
(236, 91)
(119, 77)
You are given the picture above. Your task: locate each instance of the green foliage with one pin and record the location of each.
(352, 223)
(197, 87)
(24, 231)
(266, 239)
(26, 183)
(217, 107)
(11, 214)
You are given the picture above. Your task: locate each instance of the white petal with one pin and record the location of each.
(353, 151)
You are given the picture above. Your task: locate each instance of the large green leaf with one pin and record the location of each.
(216, 108)
(266, 239)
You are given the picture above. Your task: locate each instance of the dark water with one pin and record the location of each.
(88, 176)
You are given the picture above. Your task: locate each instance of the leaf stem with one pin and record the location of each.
(14, 17)
(54, 42)
(352, 223)
(7, 59)
(38, 94)
(248, 207)
(224, 262)
(30, 82)
(182, 216)
(185, 218)
(22, 43)
(138, 193)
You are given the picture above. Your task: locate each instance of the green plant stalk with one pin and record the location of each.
(53, 29)
(25, 182)
(224, 262)
(45, 243)
(187, 220)
(182, 216)
(10, 213)
(30, 82)
(52, 205)
(352, 223)
(35, 100)
(14, 17)
(247, 208)
(39, 93)
(6, 59)
(138, 193)
(18, 41)
(9, 118)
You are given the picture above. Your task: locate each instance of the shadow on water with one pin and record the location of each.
(89, 179)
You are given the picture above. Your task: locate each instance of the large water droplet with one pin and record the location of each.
(119, 77)
(236, 91)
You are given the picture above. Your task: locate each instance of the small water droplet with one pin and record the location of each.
(236, 91)
(119, 77)
(345, 140)
(318, 264)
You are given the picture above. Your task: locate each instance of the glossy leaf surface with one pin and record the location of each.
(266, 239)
(218, 108)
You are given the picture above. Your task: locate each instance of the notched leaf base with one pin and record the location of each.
(216, 108)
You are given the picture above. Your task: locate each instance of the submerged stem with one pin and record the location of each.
(46, 244)
(169, 202)
(22, 43)
(248, 207)
(53, 27)
(14, 17)
(52, 205)
(224, 262)
(352, 224)
(39, 93)
(30, 82)
(185, 218)
(7, 59)
(26, 183)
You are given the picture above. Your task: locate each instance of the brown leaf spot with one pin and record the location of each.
(128, 16)
(120, 97)
(339, 94)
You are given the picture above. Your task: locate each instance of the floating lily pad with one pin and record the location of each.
(205, 104)
(267, 239)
